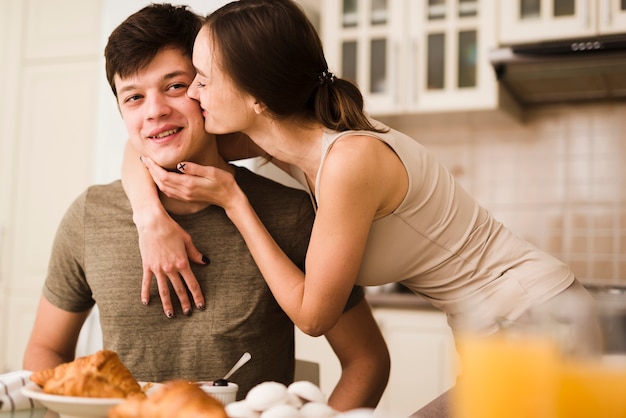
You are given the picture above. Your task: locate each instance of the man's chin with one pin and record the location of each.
(167, 166)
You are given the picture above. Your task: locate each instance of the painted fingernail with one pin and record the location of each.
(181, 166)
(169, 314)
(205, 259)
(201, 306)
(187, 312)
(145, 302)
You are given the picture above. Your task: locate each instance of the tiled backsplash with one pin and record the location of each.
(558, 179)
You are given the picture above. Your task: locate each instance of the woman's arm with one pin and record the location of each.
(355, 185)
(165, 247)
(365, 364)
(352, 191)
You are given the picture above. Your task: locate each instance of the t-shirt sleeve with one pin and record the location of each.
(66, 286)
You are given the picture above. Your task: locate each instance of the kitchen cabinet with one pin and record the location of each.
(49, 67)
(414, 56)
(523, 21)
(423, 358)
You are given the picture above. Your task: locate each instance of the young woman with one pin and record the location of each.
(387, 211)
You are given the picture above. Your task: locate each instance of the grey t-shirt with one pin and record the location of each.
(96, 259)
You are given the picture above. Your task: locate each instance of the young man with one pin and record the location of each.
(96, 257)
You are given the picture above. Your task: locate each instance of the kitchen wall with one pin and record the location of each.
(557, 179)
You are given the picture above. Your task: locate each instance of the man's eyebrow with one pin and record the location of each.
(166, 77)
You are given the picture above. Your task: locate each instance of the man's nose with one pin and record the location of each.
(157, 107)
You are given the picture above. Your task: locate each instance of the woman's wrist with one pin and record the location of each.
(147, 217)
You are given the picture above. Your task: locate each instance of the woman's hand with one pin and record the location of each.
(196, 183)
(166, 250)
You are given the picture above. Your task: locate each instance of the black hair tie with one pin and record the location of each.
(326, 77)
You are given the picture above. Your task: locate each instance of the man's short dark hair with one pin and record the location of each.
(137, 40)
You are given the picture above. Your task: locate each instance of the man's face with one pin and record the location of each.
(162, 122)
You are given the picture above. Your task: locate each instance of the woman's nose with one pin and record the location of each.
(192, 90)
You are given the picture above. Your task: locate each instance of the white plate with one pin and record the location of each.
(75, 406)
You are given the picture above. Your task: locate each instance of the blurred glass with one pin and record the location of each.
(593, 384)
(564, 7)
(350, 13)
(510, 374)
(436, 9)
(467, 59)
(349, 60)
(530, 9)
(378, 66)
(550, 363)
(436, 61)
(468, 8)
(379, 12)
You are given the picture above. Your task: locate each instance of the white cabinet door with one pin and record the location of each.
(411, 56)
(48, 113)
(612, 17)
(362, 43)
(448, 53)
(423, 359)
(523, 21)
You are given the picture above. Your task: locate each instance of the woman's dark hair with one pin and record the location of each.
(137, 40)
(271, 50)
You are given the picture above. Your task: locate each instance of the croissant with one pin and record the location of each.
(99, 375)
(176, 398)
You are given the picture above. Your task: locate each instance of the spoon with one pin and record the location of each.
(243, 360)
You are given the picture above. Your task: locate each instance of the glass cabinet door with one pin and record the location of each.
(448, 38)
(413, 55)
(540, 20)
(612, 16)
(366, 33)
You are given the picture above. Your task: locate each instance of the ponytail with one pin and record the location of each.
(338, 105)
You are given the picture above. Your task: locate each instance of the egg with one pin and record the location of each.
(317, 410)
(241, 409)
(294, 400)
(281, 411)
(267, 394)
(307, 391)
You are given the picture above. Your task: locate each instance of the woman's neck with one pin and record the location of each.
(295, 143)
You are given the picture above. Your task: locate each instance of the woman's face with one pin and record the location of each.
(224, 106)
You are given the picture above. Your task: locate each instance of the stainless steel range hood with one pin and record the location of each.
(563, 71)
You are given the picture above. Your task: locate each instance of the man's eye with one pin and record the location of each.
(133, 98)
(178, 86)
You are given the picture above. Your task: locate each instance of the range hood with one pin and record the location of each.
(563, 71)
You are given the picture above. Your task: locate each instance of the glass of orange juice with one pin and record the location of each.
(506, 375)
(592, 387)
(595, 385)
